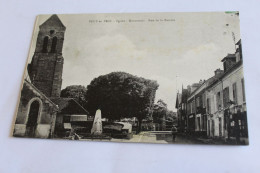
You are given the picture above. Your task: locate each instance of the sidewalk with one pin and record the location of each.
(206, 140)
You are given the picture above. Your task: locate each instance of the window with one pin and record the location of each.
(205, 122)
(213, 128)
(220, 126)
(204, 100)
(197, 102)
(52, 32)
(243, 89)
(45, 44)
(188, 108)
(219, 105)
(193, 106)
(198, 123)
(209, 128)
(53, 45)
(234, 92)
(208, 106)
(226, 97)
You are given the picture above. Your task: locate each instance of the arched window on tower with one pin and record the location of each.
(45, 44)
(53, 45)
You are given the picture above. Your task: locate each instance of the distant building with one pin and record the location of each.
(181, 106)
(71, 117)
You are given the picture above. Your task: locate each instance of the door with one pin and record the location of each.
(209, 128)
(213, 128)
(32, 118)
(220, 127)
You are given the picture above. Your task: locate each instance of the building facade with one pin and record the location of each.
(196, 113)
(227, 110)
(217, 107)
(181, 106)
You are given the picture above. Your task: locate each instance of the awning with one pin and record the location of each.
(78, 118)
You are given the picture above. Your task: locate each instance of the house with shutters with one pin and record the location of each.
(226, 108)
(216, 107)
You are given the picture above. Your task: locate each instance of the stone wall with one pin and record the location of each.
(46, 115)
(47, 63)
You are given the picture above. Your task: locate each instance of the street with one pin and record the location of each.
(164, 137)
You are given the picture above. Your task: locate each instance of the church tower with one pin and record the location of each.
(45, 69)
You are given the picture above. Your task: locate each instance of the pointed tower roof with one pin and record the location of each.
(177, 101)
(53, 21)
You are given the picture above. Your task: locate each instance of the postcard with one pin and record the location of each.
(167, 78)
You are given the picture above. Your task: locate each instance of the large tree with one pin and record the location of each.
(77, 92)
(120, 94)
(160, 112)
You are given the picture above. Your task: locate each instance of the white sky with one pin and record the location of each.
(191, 47)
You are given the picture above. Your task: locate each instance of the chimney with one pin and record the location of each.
(229, 61)
(189, 89)
(195, 86)
(218, 72)
(238, 53)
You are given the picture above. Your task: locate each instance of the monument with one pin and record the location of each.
(97, 124)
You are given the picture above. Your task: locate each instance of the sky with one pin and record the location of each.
(174, 49)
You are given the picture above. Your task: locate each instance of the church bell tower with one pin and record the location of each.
(45, 69)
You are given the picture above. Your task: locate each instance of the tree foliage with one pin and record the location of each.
(77, 92)
(171, 116)
(120, 94)
(161, 111)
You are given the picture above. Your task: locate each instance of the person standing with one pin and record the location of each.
(174, 133)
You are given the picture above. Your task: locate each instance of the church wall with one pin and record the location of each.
(19, 130)
(47, 71)
(46, 115)
(45, 31)
(57, 78)
(43, 131)
(47, 63)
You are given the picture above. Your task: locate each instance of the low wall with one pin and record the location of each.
(42, 131)
(19, 130)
